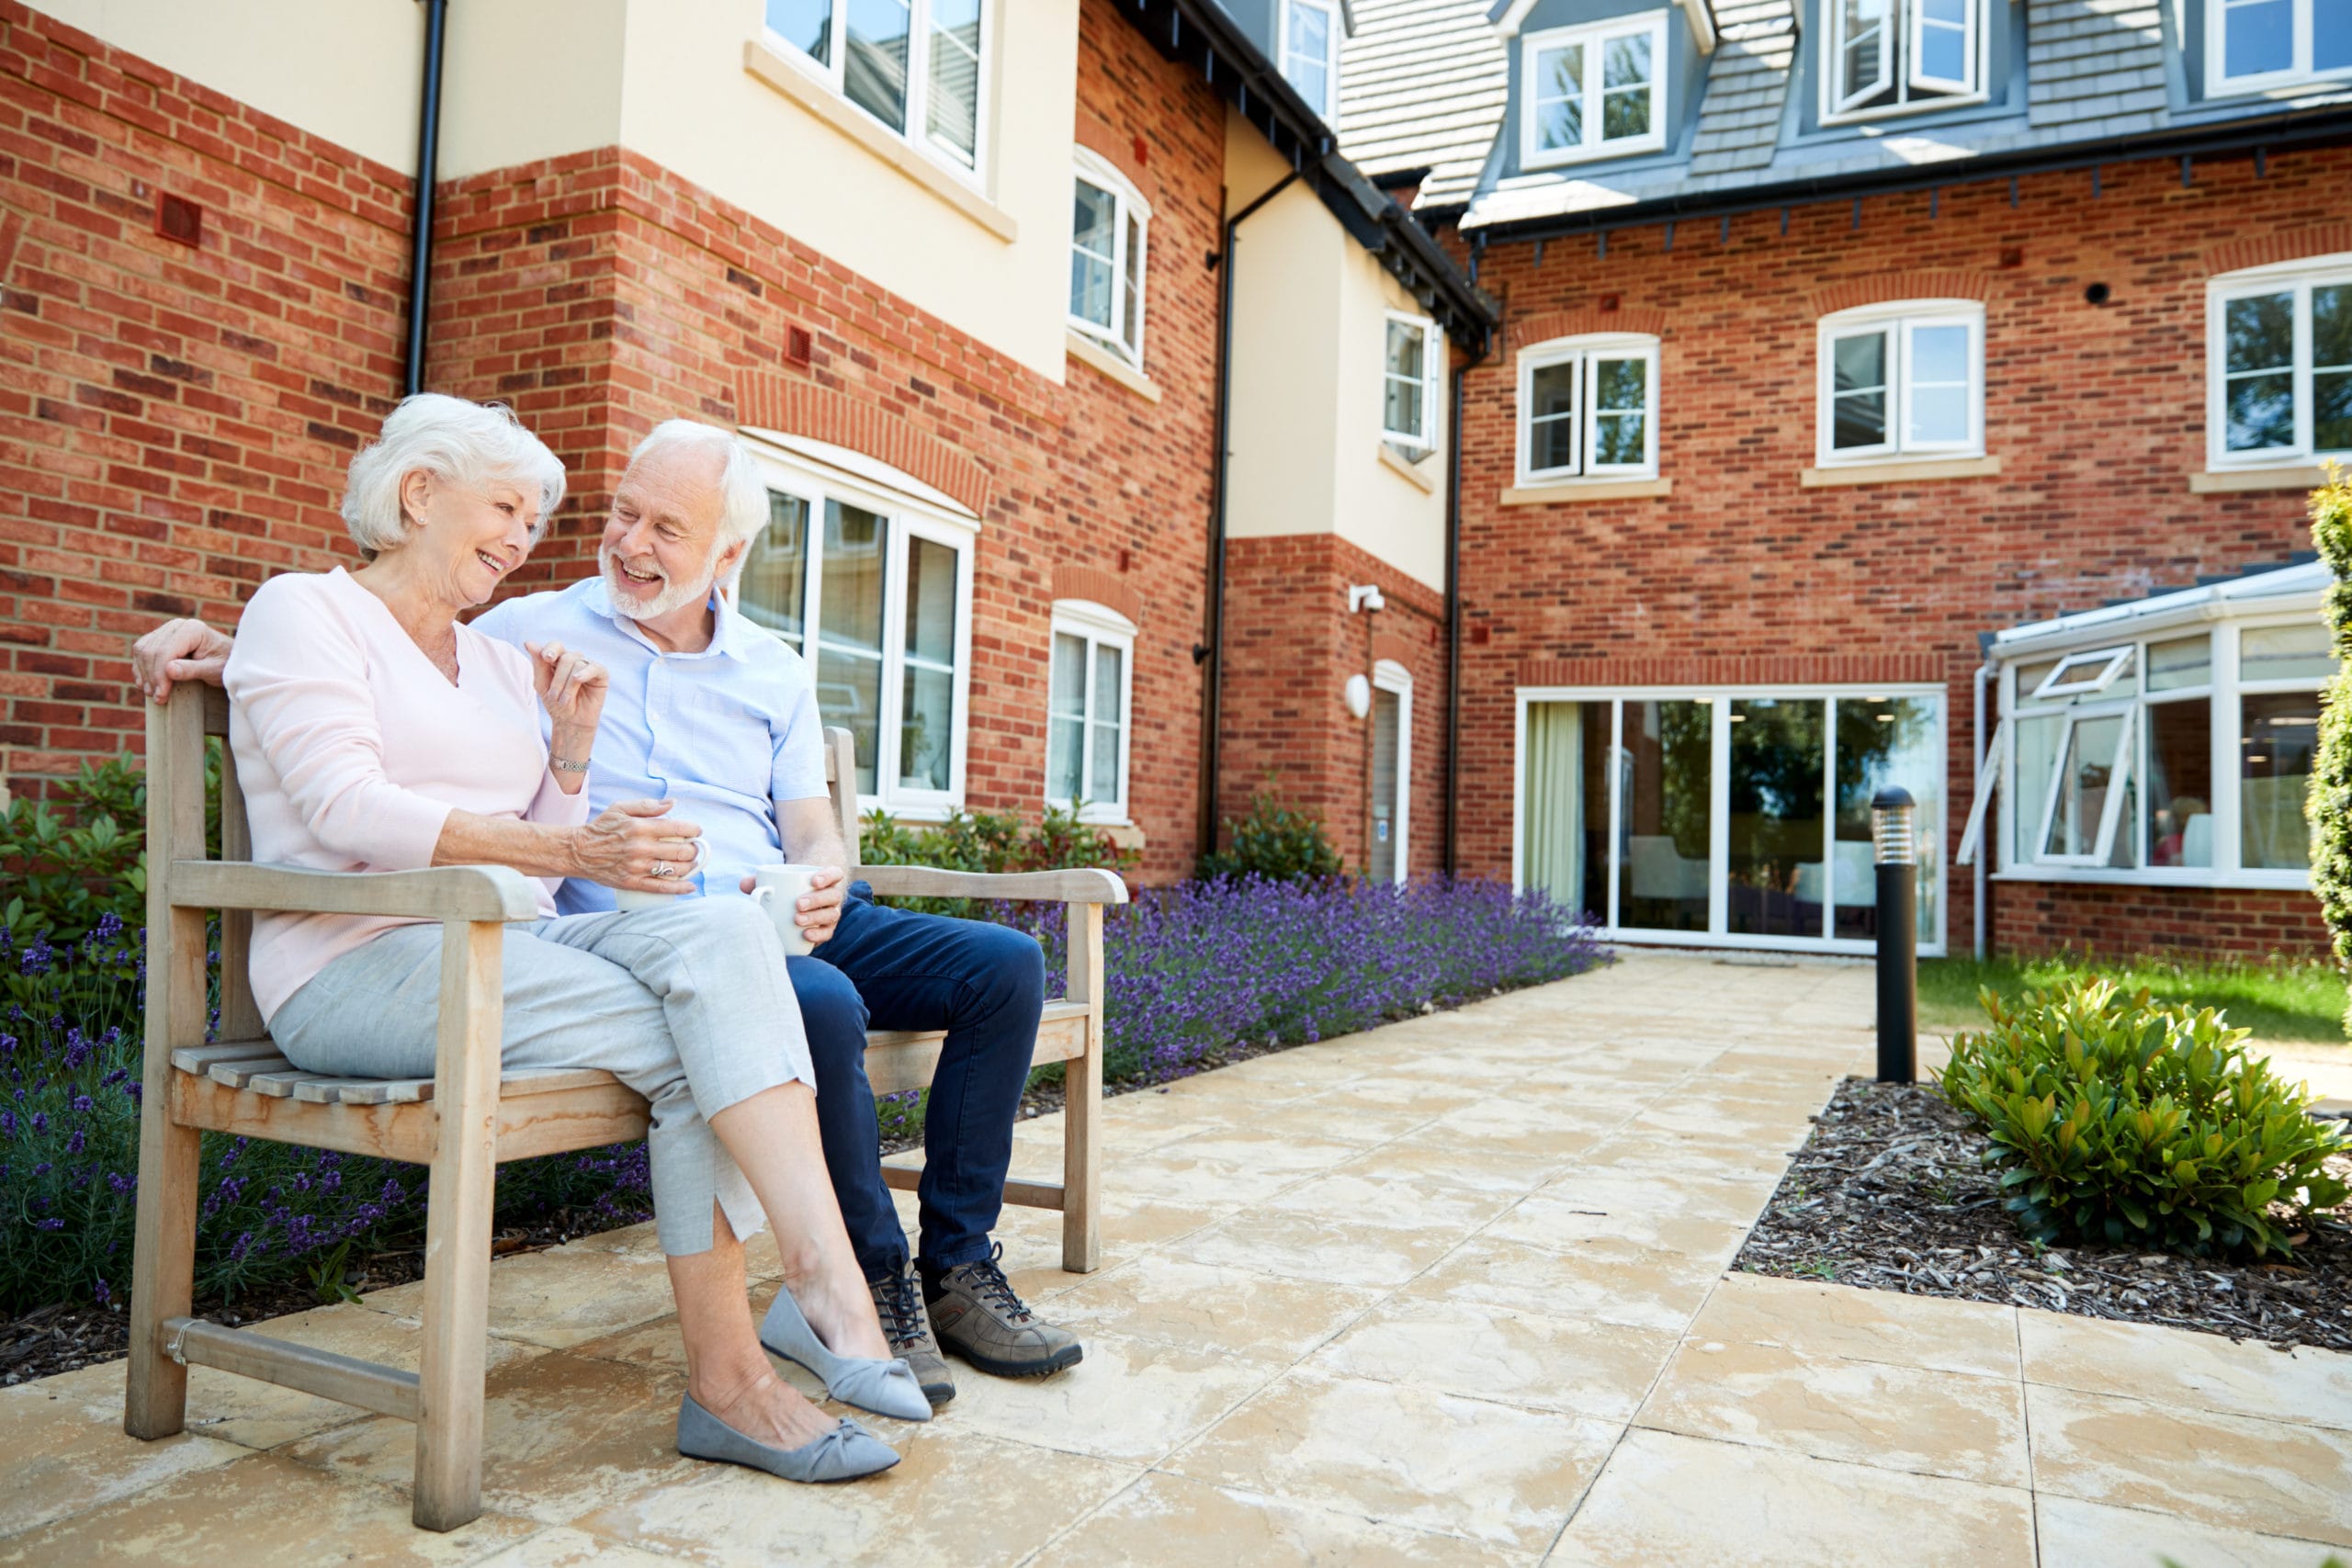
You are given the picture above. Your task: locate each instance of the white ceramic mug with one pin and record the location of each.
(631, 898)
(778, 888)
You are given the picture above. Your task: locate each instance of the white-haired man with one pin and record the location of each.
(710, 712)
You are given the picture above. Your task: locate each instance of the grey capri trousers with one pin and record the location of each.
(688, 1004)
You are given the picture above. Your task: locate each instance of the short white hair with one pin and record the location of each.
(744, 494)
(459, 443)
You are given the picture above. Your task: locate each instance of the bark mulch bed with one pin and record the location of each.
(1890, 1193)
(60, 1338)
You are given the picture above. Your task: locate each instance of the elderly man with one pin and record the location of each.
(708, 710)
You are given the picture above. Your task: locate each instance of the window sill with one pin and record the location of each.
(877, 139)
(1563, 491)
(1086, 351)
(1399, 464)
(2222, 481)
(1904, 472)
(2280, 881)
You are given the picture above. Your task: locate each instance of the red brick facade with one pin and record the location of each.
(1290, 647)
(2096, 413)
(177, 420)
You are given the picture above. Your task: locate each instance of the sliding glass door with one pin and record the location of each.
(1736, 818)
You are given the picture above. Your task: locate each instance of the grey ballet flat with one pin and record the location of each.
(884, 1387)
(846, 1452)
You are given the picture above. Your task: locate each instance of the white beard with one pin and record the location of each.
(628, 597)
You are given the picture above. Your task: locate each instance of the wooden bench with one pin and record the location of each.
(464, 1120)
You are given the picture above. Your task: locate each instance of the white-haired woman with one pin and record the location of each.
(375, 732)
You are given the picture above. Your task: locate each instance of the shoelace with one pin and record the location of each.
(988, 1283)
(901, 1310)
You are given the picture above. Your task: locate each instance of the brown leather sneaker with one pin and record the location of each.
(898, 1302)
(980, 1319)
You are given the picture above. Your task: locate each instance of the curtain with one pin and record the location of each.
(1555, 804)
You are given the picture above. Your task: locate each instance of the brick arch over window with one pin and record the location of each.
(1553, 324)
(1396, 649)
(1119, 152)
(1107, 589)
(794, 407)
(2292, 245)
(1949, 284)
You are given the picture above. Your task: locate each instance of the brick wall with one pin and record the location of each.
(2097, 413)
(174, 419)
(1291, 645)
(2041, 916)
(177, 422)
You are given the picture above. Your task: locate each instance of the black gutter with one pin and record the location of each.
(1200, 33)
(1213, 684)
(2277, 133)
(428, 162)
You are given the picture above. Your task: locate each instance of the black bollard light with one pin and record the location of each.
(1899, 935)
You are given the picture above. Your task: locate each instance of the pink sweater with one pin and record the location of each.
(353, 749)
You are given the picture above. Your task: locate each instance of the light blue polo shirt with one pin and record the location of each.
(726, 733)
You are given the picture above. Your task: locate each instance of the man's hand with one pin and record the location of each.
(819, 910)
(178, 650)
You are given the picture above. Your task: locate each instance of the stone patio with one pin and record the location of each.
(1448, 1292)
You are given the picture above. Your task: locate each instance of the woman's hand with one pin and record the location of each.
(623, 847)
(178, 650)
(571, 687)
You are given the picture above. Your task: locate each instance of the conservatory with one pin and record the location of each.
(2169, 740)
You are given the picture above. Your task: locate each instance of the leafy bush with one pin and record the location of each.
(2328, 806)
(987, 842)
(1283, 844)
(2119, 1120)
(81, 857)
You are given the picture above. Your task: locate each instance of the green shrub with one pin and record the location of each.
(2328, 806)
(1284, 843)
(988, 841)
(2119, 1120)
(79, 856)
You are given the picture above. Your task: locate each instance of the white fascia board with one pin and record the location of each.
(2289, 589)
(1507, 15)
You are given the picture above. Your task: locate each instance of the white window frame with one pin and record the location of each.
(1098, 625)
(2024, 830)
(1126, 203)
(2297, 279)
(2105, 665)
(917, 131)
(1900, 321)
(1433, 354)
(1387, 675)
(915, 512)
(1334, 29)
(1585, 352)
(2118, 784)
(1593, 36)
(1902, 21)
(2219, 83)
(1930, 828)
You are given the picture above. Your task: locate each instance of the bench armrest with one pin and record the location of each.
(444, 893)
(1089, 885)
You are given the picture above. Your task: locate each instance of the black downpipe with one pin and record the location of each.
(1212, 689)
(1453, 621)
(428, 159)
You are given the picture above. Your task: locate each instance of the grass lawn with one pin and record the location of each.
(2277, 1001)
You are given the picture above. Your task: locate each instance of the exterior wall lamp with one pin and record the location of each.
(1365, 596)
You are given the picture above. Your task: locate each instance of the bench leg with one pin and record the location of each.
(1083, 1100)
(163, 1258)
(457, 1231)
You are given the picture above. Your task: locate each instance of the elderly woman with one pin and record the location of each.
(374, 732)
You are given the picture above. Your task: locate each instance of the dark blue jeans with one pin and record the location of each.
(984, 984)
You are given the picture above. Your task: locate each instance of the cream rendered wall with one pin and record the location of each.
(346, 70)
(1309, 342)
(689, 105)
(524, 80)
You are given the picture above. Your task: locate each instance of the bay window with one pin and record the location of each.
(1588, 409)
(1408, 383)
(1593, 92)
(2250, 45)
(1901, 380)
(1089, 698)
(2279, 357)
(1884, 57)
(1309, 50)
(1109, 229)
(872, 587)
(919, 66)
(2177, 753)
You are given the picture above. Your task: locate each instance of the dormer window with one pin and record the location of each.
(2250, 45)
(1310, 53)
(1901, 57)
(1593, 92)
